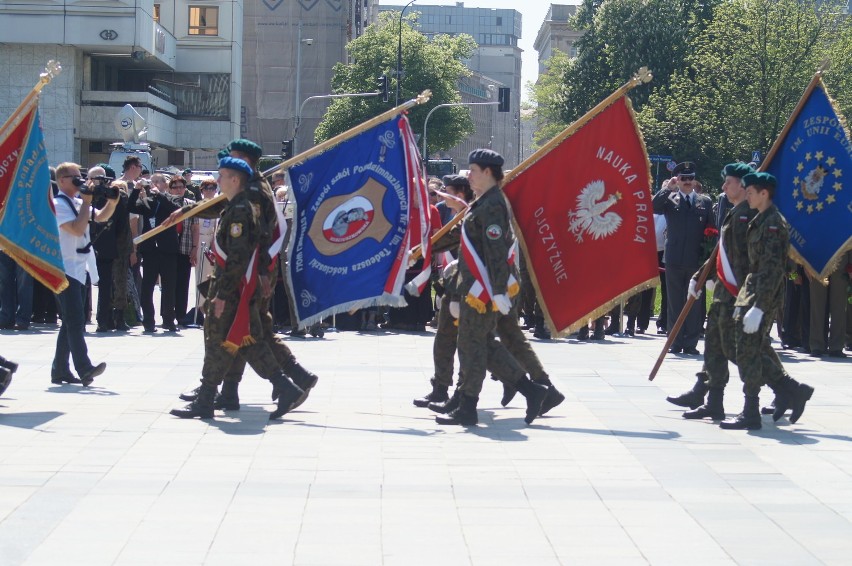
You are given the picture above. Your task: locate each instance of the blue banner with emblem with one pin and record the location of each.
(813, 165)
(349, 244)
(28, 230)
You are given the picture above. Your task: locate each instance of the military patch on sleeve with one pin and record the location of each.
(494, 232)
(743, 218)
(772, 229)
(236, 230)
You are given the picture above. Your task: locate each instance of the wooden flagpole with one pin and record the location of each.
(51, 70)
(422, 98)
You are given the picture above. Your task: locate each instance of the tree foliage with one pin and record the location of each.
(434, 64)
(743, 77)
(548, 96)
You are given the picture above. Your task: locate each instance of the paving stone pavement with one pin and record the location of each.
(358, 475)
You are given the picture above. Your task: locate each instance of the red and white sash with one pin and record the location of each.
(239, 334)
(481, 292)
(724, 269)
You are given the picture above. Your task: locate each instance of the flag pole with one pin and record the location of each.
(417, 252)
(422, 98)
(52, 69)
(642, 76)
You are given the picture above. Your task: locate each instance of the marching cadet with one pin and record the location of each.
(759, 297)
(233, 321)
(729, 271)
(261, 197)
(487, 279)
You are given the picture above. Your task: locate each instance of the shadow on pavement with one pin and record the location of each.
(28, 420)
(403, 431)
(79, 389)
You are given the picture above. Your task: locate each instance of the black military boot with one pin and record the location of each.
(118, 320)
(749, 419)
(8, 364)
(464, 414)
(535, 395)
(304, 379)
(201, 407)
(229, 398)
(5, 379)
(437, 395)
(508, 394)
(288, 394)
(583, 333)
(693, 398)
(446, 406)
(553, 398)
(798, 395)
(781, 401)
(713, 409)
(600, 331)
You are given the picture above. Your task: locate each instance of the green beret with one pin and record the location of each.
(236, 164)
(110, 172)
(485, 157)
(762, 179)
(222, 153)
(246, 146)
(736, 170)
(455, 181)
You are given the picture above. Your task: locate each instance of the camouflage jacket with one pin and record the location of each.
(768, 239)
(733, 232)
(489, 229)
(238, 235)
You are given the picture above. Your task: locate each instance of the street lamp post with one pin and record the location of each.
(399, 55)
(425, 156)
(324, 97)
(307, 41)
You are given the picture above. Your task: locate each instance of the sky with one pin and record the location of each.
(532, 16)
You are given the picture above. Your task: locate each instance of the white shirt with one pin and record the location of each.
(660, 231)
(75, 263)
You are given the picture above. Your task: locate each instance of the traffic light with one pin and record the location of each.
(503, 99)
(382, 87)
(287, 149)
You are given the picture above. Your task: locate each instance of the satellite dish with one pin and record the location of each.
(130, 125)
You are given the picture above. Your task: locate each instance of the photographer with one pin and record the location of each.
(73, 204)
(104, 244)
(159, 253)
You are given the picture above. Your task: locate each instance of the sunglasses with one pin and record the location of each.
(687, 177)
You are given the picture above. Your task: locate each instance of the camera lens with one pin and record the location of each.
(78, 181)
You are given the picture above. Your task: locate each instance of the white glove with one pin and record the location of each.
(691, 290)
(751, 320)
(503, 303)
(710, 285)
(451, 267)
(438, 301)
(454, 309)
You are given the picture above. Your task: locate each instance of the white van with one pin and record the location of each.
(121, 151)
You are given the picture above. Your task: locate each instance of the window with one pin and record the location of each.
(499, 21)
(156, 12)
(203, 20)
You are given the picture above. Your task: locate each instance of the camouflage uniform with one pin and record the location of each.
(768, 243)
(238, 235)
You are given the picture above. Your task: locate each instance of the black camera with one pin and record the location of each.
(100, 191)
(78, 181)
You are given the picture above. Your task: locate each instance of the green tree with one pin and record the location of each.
(742, 80)
(548, 97)
(434, 64)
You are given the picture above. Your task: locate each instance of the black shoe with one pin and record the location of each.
(5, 379)
(640, 330)
(102, 329)
(437, 395)
(769, 409)
(304, 379)
(229, 398)
(542, 333)
(836, 354)
(464, 415)
(170, 327)
(118, 320)
(298, 333)
(662, 331)
(59, 379)
(598, 335)
(817, 353)
(749, 419)
(713, 409)
(202, 407)
(553, 398)
(446, 406)
(191, 396)
(8, 364)
(583, 333)
(675, 350)
(535, 394)
(799, 394)
(149, 330)
(288, 394)
(691, 351)
(693, 398)
(88, 376)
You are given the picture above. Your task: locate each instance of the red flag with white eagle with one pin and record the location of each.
(583, 215)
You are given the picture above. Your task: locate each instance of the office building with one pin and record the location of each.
(556, 33)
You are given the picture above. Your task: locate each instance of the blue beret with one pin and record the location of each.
(761, 179)
(455, 181)
(485, 157)
(685, 168)
(246, 146)
(736, 170)
(236, 164)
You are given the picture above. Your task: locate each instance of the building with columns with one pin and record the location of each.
(178, 63)
(556, 33)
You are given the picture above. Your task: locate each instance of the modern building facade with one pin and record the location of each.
(556, 33)
(496, 61)
(289, 51)
(178, 63)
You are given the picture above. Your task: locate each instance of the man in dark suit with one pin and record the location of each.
(159, 253)
(687, 214)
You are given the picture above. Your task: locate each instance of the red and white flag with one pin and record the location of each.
(584, 219)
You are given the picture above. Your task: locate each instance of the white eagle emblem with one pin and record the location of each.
(589, 216)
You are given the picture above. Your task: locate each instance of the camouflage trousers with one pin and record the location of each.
(119, 282)
(283, 356)
(757, 362)
(479, 349)
(512, 339)
(218, 360)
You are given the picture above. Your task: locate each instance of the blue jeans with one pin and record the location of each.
(72, 334)
(16, 293)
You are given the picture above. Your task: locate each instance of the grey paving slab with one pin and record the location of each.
(358, 475)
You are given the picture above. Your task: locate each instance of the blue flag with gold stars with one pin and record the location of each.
(813, 166)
